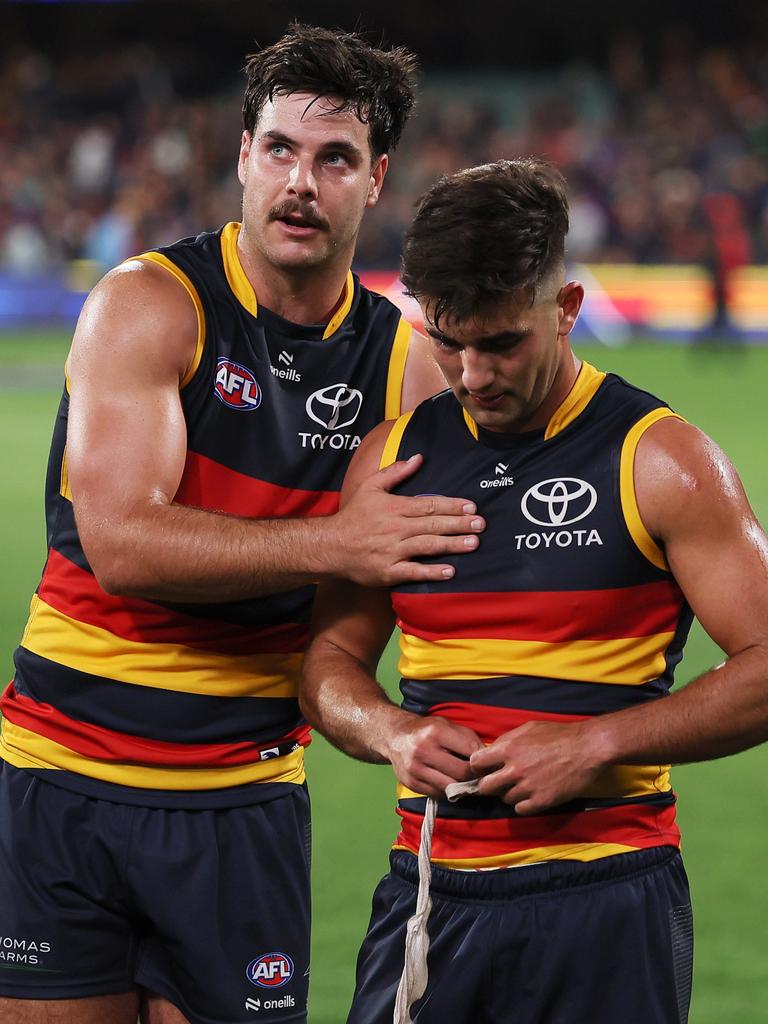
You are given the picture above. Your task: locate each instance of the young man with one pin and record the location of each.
(154, 833)
(558, 894)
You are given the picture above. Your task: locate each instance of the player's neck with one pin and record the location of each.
(307, 295)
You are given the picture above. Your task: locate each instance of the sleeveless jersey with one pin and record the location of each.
(566, 610)
(191, 704)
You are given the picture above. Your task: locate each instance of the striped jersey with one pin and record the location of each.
(174, 704)
(566, 610)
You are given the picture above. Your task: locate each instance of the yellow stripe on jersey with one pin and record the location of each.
(581, 394)
(535, 855)
(341, 313)
(65, 490)
(392, 444)
(635, 524)
(396, 371)
(631, 661)
(24, 749)
(237, 278)
(618, 781)
(470, 424)
(181, 277)
(86, 648)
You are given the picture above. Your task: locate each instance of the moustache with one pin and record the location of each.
(304, 212)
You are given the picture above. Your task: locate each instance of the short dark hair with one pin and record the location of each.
(485, 233)
(378, 85)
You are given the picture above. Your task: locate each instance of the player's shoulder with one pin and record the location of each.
(141, 311)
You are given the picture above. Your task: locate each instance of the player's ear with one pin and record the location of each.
(245, 148)
(569, 300)
(378, 170)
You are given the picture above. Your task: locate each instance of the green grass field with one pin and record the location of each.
(723, 805)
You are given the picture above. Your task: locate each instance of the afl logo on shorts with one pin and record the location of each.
(271, 970)
(236, 386)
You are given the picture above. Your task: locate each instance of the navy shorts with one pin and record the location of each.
(208, 908)
(602, 942)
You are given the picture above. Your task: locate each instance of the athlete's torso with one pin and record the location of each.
(567, 610)
(193, 703)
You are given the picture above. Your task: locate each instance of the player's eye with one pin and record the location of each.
(278, 149)
(336, 159)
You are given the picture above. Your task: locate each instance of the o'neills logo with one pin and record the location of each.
(558, 502)
(500, 479)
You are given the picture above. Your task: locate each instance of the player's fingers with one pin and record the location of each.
(425, 506)
(434, 547)
(431, 782)
(526, 807)
(389, 477)
(456, 769)
(442, 525)
(500, 783)
(483, 761)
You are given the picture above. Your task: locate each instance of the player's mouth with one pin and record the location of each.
(486, 401)
(297, 222)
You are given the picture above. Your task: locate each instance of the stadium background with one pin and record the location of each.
(119, 126)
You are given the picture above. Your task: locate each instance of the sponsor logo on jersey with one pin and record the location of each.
(335, 407)
(500, 479)
(270, 970)
(268, 753)
(289, 373)
(22, 951)
(286, 1002)
(236, 386)
(558, 502)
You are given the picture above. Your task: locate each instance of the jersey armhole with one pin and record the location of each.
(181, 277)
(392, 444)
(639, 534)
(396, 371)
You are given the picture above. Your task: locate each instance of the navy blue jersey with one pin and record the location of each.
(152, 702)
(566, 610)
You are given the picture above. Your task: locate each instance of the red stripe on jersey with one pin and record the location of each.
(76, 593)
(491, 722)
(209, 485)
(638, 825)
(105, 745)
(548, 616)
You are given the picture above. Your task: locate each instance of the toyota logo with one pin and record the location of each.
(554, 499)
(334, 407)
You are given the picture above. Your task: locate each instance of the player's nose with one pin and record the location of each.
(477, 370)
(301, 180)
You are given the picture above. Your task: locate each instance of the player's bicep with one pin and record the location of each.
(690, 497)
(126, 438)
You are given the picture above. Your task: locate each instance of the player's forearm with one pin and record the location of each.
(341, 699)
(722, 712)
(173, 553)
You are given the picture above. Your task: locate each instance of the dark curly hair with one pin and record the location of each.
(483, 234)
(378, 85)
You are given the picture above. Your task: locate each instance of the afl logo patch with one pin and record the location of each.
(236, 386)
(558, 501)
(271, 970)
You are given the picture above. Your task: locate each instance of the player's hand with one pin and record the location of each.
(538, 765)
(381, 534)
(429, 752)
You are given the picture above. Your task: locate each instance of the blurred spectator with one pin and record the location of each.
(666, 155)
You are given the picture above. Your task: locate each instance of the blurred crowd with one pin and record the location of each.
(666, 156)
